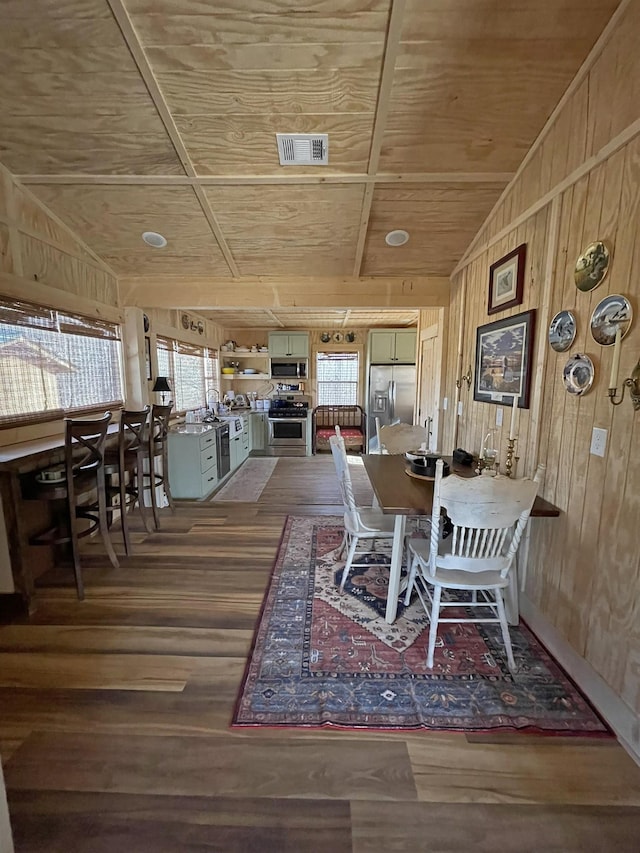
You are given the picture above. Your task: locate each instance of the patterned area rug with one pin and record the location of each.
(248, 482)
(325, 659)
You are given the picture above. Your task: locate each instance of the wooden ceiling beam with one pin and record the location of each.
(391, 50)
(139, 57)
(233, 180)
(202, 293)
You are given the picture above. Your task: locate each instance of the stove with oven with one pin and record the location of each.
(289, 433)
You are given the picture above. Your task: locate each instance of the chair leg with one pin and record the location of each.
(412, 579)
(343, 545)
(75, 552)
(102, 517)
(152, 489)
(505, 629)
(165, 478)
(433, 627)
(123, 512)
(138, 488)
(347, 565)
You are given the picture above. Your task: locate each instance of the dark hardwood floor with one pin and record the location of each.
(114, 721)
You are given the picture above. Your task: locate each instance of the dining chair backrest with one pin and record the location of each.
(84, 445)
(400, 438)
(134, 432)
(159, 426)
(341, 462)
(488, 514)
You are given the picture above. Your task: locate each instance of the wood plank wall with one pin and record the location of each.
(581, 184)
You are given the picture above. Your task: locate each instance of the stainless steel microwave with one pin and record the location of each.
(285, 368)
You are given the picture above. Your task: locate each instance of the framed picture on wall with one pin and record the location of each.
(147, 356)
(504, 352)
(506, 280)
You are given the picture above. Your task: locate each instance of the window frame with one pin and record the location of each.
(351, 355)
(210, 362)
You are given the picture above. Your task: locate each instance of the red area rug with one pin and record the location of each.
(322, 658)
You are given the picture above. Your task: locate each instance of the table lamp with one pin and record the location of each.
(161, 386)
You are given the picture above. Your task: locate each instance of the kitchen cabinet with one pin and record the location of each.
(236, 448)
(392, 346)
(258, 432)
(193, 467)
(285, 344)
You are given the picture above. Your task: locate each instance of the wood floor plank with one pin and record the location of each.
(50, 822)
(106, 672)
(212, 766)
(513, 828)
(158, 640)
(546, 773)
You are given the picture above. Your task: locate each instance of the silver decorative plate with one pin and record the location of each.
(578, 374)
(562, 331)
(612, 311)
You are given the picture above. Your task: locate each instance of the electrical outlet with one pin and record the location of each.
(498, 416)
(598, 442)
(445, 403)
(460, 408)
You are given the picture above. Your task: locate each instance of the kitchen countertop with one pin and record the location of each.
(194, 429)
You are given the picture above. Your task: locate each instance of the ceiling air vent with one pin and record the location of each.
(303, 149)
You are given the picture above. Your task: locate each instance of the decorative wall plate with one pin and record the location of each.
(578, 374)
(325, 337)
(591, 267)
(610, 313)
(562, 331)
(338, 337)
(145, 323)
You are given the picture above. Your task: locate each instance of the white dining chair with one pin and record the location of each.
(489, 515)
(360, 523)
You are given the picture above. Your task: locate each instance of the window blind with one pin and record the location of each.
(54, 363)
(192, 371)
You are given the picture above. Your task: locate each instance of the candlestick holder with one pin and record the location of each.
(511, 458)
(633, 384)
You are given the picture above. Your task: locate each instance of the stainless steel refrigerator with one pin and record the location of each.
(392, 392)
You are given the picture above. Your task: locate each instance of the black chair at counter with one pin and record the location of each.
(67, 487)
(127, 464)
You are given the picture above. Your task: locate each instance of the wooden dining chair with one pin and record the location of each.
(126, 465)
(360, 523)
(488, 516)
(78, 493)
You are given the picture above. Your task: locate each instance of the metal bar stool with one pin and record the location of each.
(127, 464)
(158, 449)
(82, 476)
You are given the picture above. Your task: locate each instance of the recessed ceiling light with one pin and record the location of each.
(396, 238)
(152, 238)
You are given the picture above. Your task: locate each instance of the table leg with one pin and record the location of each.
(397, 551)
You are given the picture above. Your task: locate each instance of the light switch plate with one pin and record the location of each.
(460, 407)
(498, 416)
(598, 442)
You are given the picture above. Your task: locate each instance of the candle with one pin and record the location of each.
(514, 412)
(613, 380)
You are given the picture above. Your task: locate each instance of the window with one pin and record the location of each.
(53, 363)
(192, 372)
(337, 377)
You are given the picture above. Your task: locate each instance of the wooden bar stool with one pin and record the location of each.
(158, 449)
(81, 477)
(127, 464)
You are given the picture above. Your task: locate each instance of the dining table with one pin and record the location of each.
(399, 494)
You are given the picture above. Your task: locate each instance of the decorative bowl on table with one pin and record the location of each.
(412, 455)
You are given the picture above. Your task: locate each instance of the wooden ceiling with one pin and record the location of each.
(261, 318)
(134, 115)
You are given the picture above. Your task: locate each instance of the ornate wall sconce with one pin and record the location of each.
(467, 377)
(633, 384)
